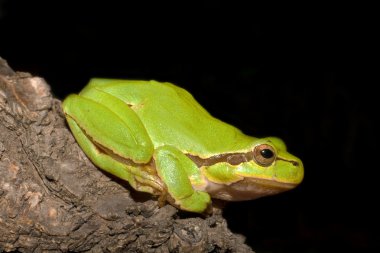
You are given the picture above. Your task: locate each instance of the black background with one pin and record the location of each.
(303, 73)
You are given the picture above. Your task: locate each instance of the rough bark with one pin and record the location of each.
(52, 198)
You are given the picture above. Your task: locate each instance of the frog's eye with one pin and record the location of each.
(264, 154)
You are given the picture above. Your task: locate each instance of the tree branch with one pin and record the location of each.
(53, 198)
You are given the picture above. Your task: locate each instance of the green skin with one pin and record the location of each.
(159, 139)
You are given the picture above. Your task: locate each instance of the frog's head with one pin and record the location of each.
(272, 161)
(269, 170)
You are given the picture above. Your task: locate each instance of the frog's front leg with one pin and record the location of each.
(180, 173)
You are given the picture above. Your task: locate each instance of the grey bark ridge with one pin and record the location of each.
(53, 199)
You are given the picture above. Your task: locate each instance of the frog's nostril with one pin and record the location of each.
(295, 163)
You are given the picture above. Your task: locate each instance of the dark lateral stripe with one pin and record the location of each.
(231, 158)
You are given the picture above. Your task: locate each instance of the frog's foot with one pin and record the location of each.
(198, 202)
(163, 198)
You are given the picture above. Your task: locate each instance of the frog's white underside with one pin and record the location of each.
(246, 189)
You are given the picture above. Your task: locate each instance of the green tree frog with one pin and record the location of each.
(162, 141)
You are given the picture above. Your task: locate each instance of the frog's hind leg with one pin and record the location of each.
(111, 124)
(137, 178)
(113, 137)
(178, 173)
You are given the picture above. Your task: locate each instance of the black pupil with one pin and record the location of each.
(267, 153)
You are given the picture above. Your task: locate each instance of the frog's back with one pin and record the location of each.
(173, 117)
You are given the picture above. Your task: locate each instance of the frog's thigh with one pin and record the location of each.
(111, 123)
(99, 158)
(173, 168)
(139, 179)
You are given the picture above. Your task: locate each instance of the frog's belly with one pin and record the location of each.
(246, 189)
